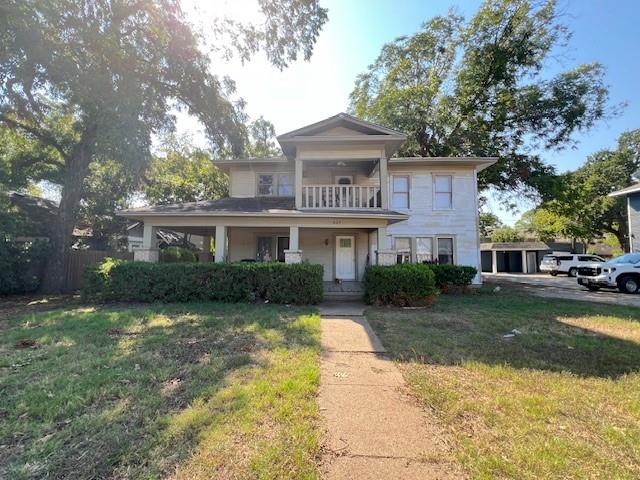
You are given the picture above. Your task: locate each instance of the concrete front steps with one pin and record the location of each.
(345, 291)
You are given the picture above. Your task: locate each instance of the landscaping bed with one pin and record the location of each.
(188, 391)
(525, 387)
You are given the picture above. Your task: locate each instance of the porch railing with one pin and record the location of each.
(340, 196)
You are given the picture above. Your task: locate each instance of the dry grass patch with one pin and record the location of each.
(559, 400)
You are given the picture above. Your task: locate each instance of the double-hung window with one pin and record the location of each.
(445, 250)
(400, 192)
(280, 185)
(403, 249)
(443, 188)
(285, 185)
(424, 249)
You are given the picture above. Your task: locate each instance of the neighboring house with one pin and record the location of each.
(164, 238)
(338, 197)
(633, 210)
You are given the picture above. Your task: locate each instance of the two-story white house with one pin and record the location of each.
(338, 197)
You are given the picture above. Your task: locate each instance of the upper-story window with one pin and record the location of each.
(280, 185)
(400, 192)
(443, 188)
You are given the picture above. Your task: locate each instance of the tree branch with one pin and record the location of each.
(43, 137)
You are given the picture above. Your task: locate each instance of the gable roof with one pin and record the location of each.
(363, 132)
(635, 188)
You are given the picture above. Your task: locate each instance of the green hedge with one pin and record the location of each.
(403, 285)
(21, 266)
(116, 280)
(453, 276)
(177, 255)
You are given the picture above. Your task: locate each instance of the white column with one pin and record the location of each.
(524, 261)
(221, 243)
(149, 251)
(293, 254)
(298, 182)
(494, 261)
(384, 183)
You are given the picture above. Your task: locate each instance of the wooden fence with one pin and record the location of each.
(78, 260)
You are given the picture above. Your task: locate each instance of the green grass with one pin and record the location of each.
(190, 391)
(561, 400)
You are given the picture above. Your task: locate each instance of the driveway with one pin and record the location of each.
(560, 286)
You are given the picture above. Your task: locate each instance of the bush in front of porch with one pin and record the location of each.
(116, 280)
(405, 284)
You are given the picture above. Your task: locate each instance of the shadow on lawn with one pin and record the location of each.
(104, 387)
(473, 328)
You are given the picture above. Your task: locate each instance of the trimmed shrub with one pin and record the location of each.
(405, 284)
(453, 276)
(177, 255)
(21, 266)
(117, 280)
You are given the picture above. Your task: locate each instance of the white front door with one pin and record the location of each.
(345, 258)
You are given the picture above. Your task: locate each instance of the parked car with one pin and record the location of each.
(622, 273)
(566, 263)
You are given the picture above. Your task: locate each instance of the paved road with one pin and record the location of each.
(561, 286)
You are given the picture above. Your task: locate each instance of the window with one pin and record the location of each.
(445, 250)
(345, 243)
(285, 185)
(424, 249)
(403, 249)
(443, 187)
(264, 249)
(400, 194)
(280, 185)
(265, 185)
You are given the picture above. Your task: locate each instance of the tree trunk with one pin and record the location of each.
(61, 236)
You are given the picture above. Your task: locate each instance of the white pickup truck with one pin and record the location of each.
(622, 273)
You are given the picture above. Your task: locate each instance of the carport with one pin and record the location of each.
(512, 257)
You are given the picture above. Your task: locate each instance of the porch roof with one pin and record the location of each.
(254, 207)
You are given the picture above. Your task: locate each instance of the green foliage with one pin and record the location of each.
(177, 255)
(404, 284)
(262, 139)
(506, 234)
(488, 223)
(21, 265)
(582, 196)
(478, 87)
(183, 173)
(116, 280)
(86, 82)
(450, 277)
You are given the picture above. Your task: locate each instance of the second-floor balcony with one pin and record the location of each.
(341, 196)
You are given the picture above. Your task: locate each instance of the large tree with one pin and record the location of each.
(94, 79)
(582, 197)
(479, 87)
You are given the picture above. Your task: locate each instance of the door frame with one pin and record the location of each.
(354, 259)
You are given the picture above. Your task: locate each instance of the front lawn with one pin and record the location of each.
(190, 391)
(558, 399)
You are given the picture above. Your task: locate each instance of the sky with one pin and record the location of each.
(305, 92)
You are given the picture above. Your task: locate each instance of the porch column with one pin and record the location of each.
(293, 254)
(221, 243)
(149, 251)
(386, 256)
(494, 261)
(298, 182)
(524, 261)
(384, 183)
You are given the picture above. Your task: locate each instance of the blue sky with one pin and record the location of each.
(603, 31)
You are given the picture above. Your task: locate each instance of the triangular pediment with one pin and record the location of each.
(341, 125)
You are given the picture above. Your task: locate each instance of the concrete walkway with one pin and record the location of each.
(373, 428)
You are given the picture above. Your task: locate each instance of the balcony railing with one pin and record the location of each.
(340, 196)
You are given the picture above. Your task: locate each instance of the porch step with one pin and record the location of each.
(346, 296)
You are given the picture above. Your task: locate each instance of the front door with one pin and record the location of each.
(345, 258)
